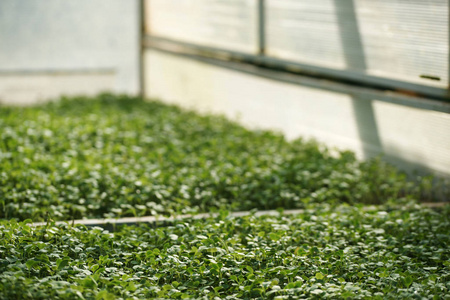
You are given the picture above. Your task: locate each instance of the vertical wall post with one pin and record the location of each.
(261, 27)
(141, 24)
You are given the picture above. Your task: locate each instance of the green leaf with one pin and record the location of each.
(105, 295)
(273, 236)
(407, 280)
(62, 263)
(94, 267)
(131, 286)
(31, 263)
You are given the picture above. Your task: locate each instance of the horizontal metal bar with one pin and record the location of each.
(316, 83)
(346, 76)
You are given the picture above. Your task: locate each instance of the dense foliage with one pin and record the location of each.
(330, 252)
(114, 156)
(118, 156)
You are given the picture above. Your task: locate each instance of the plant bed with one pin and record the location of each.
(116, 156)
(326, 251)
(357, 231)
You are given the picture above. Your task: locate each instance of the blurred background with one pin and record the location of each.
(67, 47)
(369, 76)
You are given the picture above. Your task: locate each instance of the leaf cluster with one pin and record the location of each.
(331, 252)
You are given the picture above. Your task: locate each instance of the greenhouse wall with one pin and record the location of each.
(369, 76)
(58, 47)
(395, 44)
(413, 133)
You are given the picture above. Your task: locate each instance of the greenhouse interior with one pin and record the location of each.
(225, 149)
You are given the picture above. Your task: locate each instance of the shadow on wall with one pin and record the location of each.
(353, 50)
(363, 107)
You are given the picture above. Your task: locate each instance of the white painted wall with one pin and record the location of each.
(26, 89)
(82, 36)
(366, 121)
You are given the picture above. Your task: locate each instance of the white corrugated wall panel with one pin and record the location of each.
(394, 39)
(227, 24)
